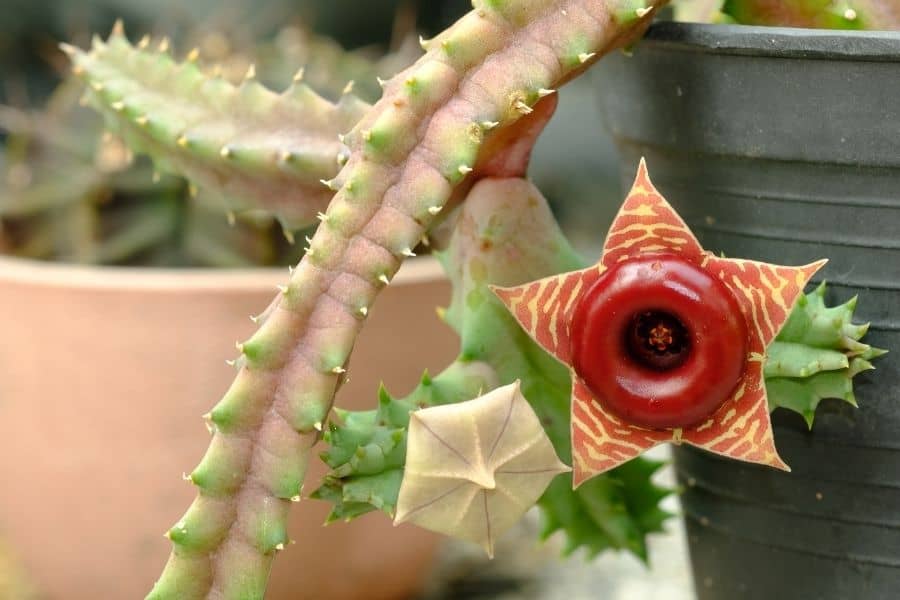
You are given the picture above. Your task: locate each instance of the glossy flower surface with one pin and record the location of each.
(723, 409)
(660, 340)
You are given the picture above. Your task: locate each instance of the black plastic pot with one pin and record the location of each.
(784, 145)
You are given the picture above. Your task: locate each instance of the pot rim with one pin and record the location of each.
(777, 42)
(14, 270)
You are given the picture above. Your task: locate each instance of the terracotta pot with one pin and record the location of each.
(104, 374)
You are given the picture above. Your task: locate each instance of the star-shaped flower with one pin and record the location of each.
(474, 468)
(668, 342)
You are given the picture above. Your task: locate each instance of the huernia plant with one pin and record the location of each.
(456, 127)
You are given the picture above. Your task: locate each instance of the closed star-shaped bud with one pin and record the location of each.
(666, 342)
(474, 468)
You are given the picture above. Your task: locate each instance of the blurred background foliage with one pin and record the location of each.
(30, 33)
(69, 192)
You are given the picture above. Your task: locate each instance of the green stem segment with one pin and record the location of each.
(816, 356)
(251, 148)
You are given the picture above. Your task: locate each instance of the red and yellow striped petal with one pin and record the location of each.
(741, 428)
(647, 223)
(600, 440)
(766, 292)
(544, 307)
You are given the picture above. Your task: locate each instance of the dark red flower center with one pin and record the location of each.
(659, 341)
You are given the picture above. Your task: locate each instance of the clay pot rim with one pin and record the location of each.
(780, 42)
(56, 275)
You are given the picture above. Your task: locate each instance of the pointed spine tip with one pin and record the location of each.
(118, 29)
(68, 49)
(523, 108)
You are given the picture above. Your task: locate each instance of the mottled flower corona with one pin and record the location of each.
(666, 342)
